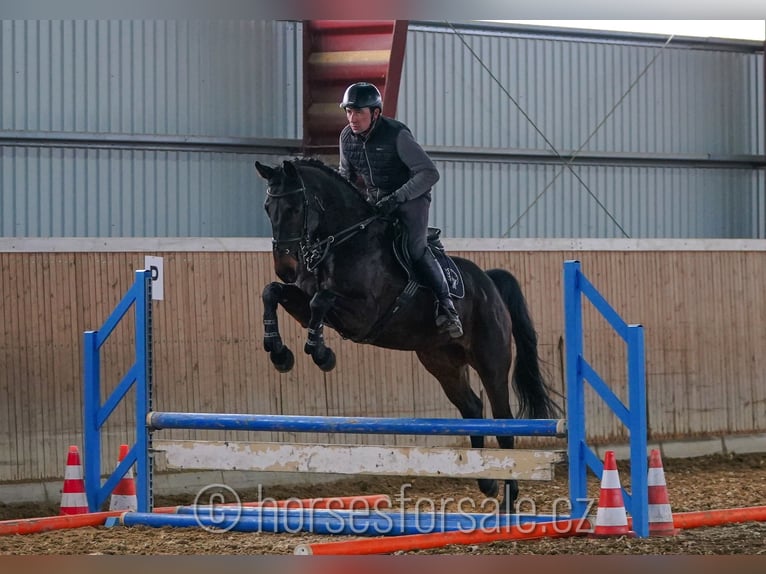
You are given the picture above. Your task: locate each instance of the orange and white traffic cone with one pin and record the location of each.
(660, 514)
(73, 499)
(124, 494)
(611, 518)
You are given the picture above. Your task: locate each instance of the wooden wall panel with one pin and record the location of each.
(704, 315)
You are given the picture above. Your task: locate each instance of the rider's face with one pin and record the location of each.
(359, 119)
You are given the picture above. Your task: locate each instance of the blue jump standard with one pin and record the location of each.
(358, 425)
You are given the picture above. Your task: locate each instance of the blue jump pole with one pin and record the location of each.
(358, 425)
(453, 519)
(325, 521)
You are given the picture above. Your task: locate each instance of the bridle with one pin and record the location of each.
(312, 253)
(290, 245)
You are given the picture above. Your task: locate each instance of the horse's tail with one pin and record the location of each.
(531, 389)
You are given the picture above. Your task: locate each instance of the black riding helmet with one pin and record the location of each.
(362, 95)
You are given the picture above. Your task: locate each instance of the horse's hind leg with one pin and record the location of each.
(493, 363)
(449, 367)
(295, 302)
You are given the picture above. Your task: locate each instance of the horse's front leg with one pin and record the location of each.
(295, 302)
(323, 356)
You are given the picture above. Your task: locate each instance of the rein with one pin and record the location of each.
(315, 253)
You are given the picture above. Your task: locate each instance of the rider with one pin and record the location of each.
(397, 175)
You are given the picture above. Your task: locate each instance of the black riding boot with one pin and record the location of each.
(431, 275)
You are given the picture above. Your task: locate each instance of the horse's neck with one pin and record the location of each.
(341, 208)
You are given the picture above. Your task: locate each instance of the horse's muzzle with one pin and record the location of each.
(286, 265)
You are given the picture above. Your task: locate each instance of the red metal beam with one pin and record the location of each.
(337, 53)
(395, 65)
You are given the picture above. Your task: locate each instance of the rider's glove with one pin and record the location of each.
(388, 204)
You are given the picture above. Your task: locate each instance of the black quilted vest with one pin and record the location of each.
(376, 159)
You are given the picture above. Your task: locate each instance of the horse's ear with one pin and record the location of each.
(264, 171)
(290, 170)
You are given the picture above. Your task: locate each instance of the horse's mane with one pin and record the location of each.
(347, 185)
(319, 164)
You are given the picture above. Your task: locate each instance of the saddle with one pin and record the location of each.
(451, 272)
(435, 245)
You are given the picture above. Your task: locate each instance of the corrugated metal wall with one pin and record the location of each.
(690, 101)
(512, 199)
(167, 105)
(90, 192)
(137, 128)
(212, 78)
(652, 144)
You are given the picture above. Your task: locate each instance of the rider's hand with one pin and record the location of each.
(388, 204)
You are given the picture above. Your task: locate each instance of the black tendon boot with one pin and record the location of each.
(431, 275)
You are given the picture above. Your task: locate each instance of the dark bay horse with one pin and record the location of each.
(334, 254)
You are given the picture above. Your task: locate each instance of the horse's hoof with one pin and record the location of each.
(283, 360)
(326, 363)
(310, 347)
(489, 487)
(272, 345)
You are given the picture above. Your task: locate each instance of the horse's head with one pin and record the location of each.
(311, 207)
(285, 206)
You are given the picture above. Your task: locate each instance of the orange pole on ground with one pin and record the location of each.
(390, 544)
(719, 517)
(44, 524)
(47, 523)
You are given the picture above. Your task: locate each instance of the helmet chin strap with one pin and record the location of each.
(366, 132)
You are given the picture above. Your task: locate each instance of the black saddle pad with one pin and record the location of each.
(451, 272)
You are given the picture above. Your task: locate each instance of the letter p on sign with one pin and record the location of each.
(154, 264)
